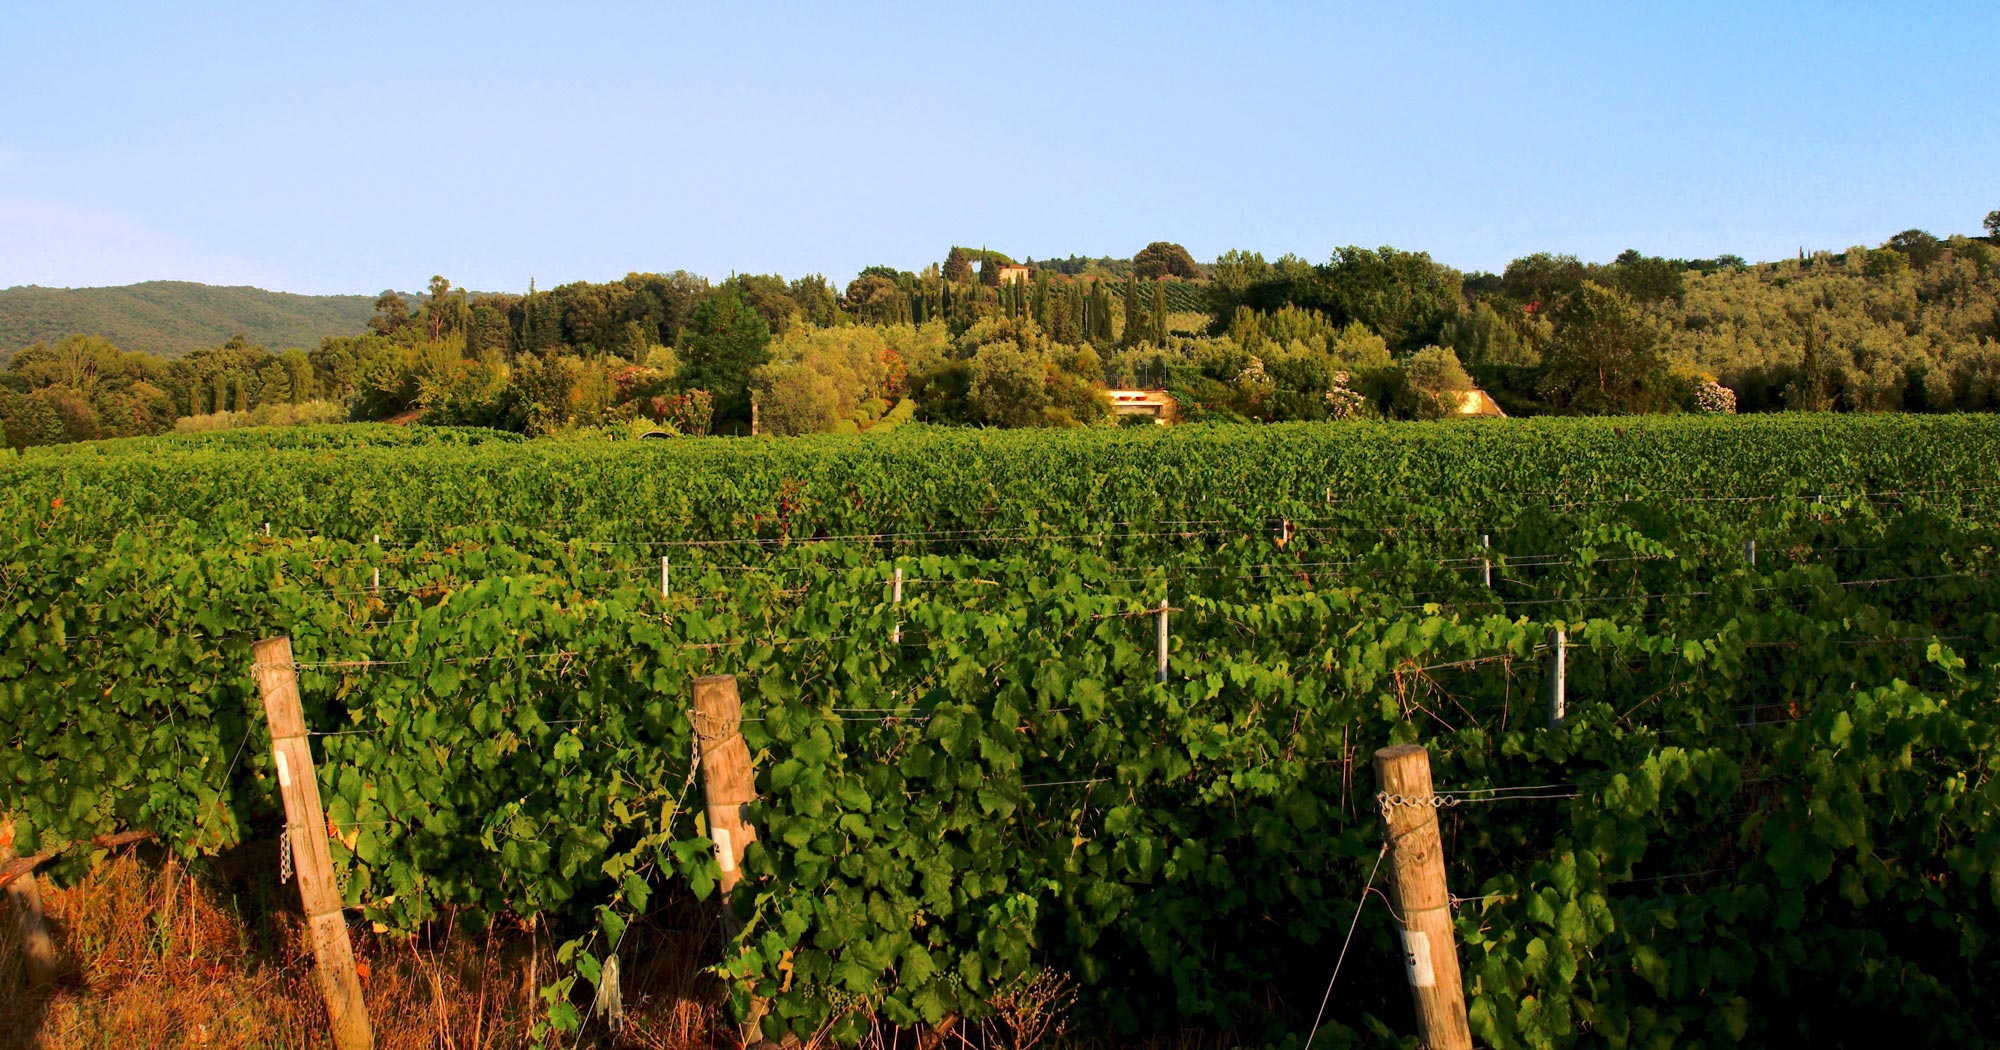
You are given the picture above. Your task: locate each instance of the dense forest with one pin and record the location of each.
(171, 318)
(979, 339)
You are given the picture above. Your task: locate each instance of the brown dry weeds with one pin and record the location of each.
(152, 955)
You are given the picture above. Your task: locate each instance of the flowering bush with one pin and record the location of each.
(1341, 402)
(691, 413)
(1711, 396)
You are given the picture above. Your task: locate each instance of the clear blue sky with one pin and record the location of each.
(351, 148)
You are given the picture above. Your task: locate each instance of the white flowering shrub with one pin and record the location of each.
(1713, 397)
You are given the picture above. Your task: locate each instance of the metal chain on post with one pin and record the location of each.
(1388, 801)
(285, 857)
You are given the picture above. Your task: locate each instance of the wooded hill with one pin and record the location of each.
(171, 318)
(1913, 325)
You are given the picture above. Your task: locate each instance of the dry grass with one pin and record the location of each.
(153, 954)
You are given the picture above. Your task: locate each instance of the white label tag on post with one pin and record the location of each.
(284, 771)
(723, 854)
(1417, 959)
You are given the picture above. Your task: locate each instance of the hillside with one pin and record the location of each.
(174, 317)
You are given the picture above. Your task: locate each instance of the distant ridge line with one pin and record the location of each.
(172, 318)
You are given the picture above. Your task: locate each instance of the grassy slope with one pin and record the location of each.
(174, 317)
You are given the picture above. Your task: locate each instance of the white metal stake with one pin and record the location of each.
(378, 568)
(896, 599)
(1750, 552)
(1558, 680)
(1163, 642)
(267, 529)
(1486, 563)
(666, 577)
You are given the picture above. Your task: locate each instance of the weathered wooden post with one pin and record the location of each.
(1558, 678)
(896, 600)
(728, 785)
(305, 837)
(1423, 904)
(727, 782)
(25, 898)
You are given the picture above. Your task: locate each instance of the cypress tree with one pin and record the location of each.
(1132, 324)
(1159, 314)
(547, 333)
(1100, 313)
(1062, 321)
(522, 335)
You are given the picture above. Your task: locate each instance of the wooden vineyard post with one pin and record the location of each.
(1486, 562)
(1163, 642)
(1558, 678)
(24, 897)
(1750, 552)
(727, 785)
(305, 836)
(1423, 904)
(896, 600)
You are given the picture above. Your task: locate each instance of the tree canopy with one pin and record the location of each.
(1164, 259)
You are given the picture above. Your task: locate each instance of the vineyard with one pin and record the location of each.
(1766, 812)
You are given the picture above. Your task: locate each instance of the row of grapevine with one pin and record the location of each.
(927, 482)
(1770, 772)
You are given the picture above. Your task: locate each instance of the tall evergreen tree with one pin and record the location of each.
(958, 266)
(1100, 314)
(1133, 326)
(525, 319)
